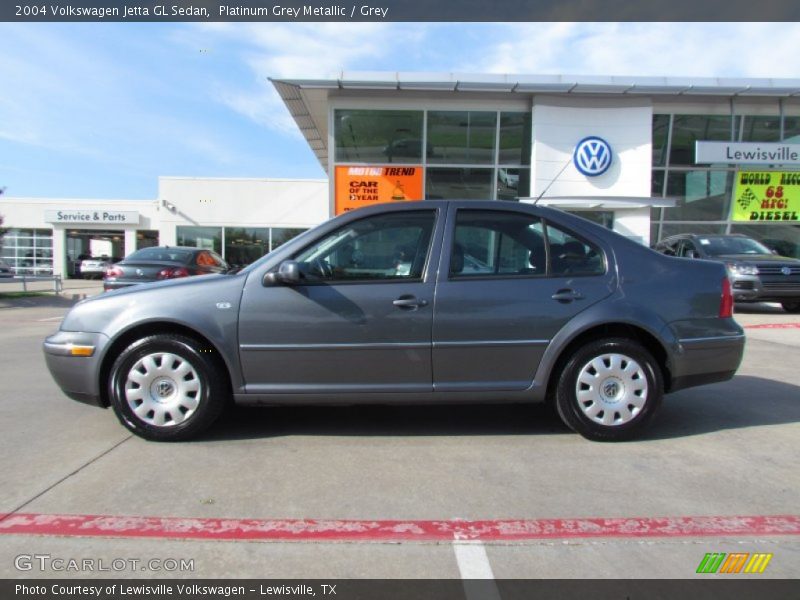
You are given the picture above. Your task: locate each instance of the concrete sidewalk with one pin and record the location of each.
(73, 291)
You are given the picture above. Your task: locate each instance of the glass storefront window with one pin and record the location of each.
(209, 238)
(466, 184)
(146, 238)
(378, 136)
(700, 195)
(783, 239)
(461, 137)
(668, 229)
(660, 139)
(281, 235)
(687, 129)
(28, 251)
(761, 129)
(791, 130)
(513, 183)
(515, 138)
(244, 245)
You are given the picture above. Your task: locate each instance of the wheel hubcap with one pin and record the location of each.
(162, 389)
(611, 389)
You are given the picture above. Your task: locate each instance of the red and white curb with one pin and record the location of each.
(316, 530)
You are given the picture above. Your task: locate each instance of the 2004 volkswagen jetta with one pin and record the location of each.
(437, 301)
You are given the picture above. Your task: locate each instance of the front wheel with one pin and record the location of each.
(791, 306)
(609, 390)
(167, 387)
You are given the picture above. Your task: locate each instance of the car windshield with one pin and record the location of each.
(720, 245)
(161, 254)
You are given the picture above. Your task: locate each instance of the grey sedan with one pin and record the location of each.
(386, 304)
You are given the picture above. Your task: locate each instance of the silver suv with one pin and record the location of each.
(757, 274)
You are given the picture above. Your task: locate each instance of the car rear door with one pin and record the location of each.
(493, 321)
(360, 321)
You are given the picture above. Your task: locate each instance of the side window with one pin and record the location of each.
(497, 243)
(572, 256)
(384, 247)
(687, 249)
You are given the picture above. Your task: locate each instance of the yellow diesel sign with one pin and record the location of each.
(766, 196)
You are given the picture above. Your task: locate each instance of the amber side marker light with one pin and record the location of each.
(81, 350)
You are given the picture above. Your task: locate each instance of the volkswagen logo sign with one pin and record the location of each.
(786, 271)
(592, 156)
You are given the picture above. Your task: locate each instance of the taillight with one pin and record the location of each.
(726, 302)
(113, 273)
(173, 273)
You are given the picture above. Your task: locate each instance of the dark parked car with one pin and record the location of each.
(383, 305)
(756, 273)
(163, 262)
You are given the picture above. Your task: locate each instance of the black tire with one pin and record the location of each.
(627, 421)
(195, 410)
(791, 307)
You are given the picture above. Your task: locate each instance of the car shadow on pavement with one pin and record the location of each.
(240, 423)
(744, 402)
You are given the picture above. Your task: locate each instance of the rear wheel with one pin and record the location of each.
(609, 390)
(167, 388)
(792, 306)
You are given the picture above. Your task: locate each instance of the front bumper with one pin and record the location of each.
(754, 288)
(73, 359)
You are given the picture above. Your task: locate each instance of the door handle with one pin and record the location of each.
(566, 295)
(409, 302)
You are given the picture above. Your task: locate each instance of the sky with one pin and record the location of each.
(100, 110)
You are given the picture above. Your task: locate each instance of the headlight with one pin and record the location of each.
(738, 269)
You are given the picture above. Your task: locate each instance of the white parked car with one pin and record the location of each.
(95, 268)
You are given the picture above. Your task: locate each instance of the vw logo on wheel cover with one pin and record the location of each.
(592, 156)
(164, 388)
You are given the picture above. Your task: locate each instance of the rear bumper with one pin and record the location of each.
(703, 360)
(78, 376)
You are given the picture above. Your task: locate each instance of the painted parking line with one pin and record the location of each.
(394, 530)
(774, 326)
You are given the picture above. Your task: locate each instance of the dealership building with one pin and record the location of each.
(646, 156)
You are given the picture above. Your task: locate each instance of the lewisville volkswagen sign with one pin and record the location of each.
(746, 153)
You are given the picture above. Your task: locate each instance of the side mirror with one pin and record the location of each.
(288, 273)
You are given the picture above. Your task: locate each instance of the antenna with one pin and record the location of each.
(552, 181)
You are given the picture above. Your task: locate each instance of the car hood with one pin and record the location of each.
(757, 258)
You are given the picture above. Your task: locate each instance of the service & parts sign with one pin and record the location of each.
(357, 187)
(766, 196)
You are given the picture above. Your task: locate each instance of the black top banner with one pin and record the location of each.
(399, 10)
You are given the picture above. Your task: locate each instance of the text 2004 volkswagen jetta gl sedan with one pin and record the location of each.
(416, 302)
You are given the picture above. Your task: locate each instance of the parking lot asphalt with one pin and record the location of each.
(724, 450)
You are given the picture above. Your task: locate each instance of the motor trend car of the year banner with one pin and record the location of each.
(357, 187)
(760, 196)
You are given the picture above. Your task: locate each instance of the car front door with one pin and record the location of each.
(502, 296)
(360, 318)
